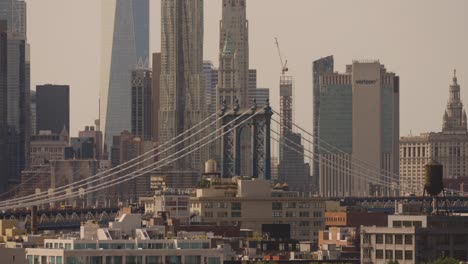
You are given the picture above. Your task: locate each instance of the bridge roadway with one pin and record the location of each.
(71, 218)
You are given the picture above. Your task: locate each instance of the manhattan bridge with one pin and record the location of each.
(224, 126)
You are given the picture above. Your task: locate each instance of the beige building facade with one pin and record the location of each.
(359, 131)
(253, 203)
(449, 147)
(46, 146)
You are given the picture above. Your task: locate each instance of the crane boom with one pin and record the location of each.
(284, 67)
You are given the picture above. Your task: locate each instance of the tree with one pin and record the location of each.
(444, 260)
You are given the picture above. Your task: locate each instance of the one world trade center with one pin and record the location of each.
(125, 46)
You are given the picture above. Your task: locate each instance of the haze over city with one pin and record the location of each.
(421, 41)
(233, 132)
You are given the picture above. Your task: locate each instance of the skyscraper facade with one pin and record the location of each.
(156, 94)
(234, 53)
(321, 66)
(291, 168)
(125, 44)
(33, 107)
(53, 107)
(260, 95)
(4, 160)
(358, 123)
(142, 105)
(210, 77)
(182, 103)
(18, 88)
(449, 147)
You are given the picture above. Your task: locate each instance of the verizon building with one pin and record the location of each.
(358, 127)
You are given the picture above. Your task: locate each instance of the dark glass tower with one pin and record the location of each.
(53, 107)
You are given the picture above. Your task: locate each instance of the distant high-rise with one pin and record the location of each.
(182, 103)
(142, 105)
(33, 106)
(4, 160)
(234, 54)
(125, 44)
(291, 168)
(91, 133)
(448, 147)
(210, 77)
(321, 66)
(156, 94)
(53, 107)
(260, 95)
(18, 88)
(454, 121)
(358, 116)
(252, 80)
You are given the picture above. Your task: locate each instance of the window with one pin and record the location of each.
(408, 255)
(388, 239)
(379, 239)
(236, 214)
(222, 205)
(222, 214)
(398, 239)
(291, 205)
(277, 214)
(290, 214)
(398, 254)
(396, 223)
(304, 214)
(408, 239)
(277, 206)
(379, 254)
(208, 214)
(388, 254)
(236, 206)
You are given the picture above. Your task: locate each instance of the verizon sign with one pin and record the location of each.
(368, 82)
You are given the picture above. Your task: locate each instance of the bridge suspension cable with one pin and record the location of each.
(114, 170)
(133, 175)
(382, 172)
(329, 162)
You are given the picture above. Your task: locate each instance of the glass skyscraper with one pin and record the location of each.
(125, 47)
(16, 66)
(357, 121)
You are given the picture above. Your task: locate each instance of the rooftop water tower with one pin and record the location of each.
(434, 187)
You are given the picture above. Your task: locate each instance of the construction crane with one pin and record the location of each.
(284, 66)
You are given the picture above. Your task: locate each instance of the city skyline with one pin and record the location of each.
(407, 46)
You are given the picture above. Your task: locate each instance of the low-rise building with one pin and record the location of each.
(173, 202)
(125, 241)
(253, 204)
(46, 146)
(415, 239)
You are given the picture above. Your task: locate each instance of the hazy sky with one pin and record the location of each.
(422, 41)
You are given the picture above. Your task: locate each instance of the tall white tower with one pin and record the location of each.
(455, 116)
(233, 53)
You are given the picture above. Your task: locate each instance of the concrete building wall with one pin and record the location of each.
(367, 124)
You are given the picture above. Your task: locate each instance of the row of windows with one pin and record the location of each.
(394, 255)
(389, 239)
